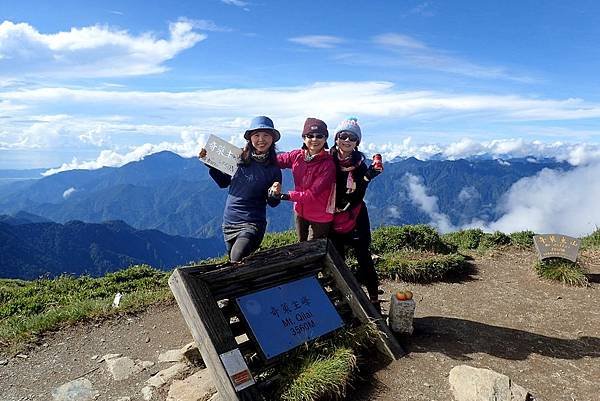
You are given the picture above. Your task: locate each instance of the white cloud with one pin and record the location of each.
(329, 100)
(43, 133)
(189, 146)
(497, 147)
(405, 50)
(226, 112)
(95, 136)
(7, 107)
(69, 192)
(208, 25)
(237, 3)
(93, 51)
(553, 202)
(580, 154)
(468, 193)
(576, 154)
(398, 40)
(393, 211)
(466, 146)
(427, 203)
(55, 132)
(424, 9)
(318, 41)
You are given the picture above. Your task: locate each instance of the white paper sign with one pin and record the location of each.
(236, 368)
(222, 155)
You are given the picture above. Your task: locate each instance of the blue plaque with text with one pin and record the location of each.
(288, 315)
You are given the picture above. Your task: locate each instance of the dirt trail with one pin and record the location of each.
(543, 335)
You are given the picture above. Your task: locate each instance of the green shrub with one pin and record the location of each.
(562, 270)
(592, 240)
(419, 237)
(464, 239)
(475, 238)
(421, 268)
(494, 240)
(522, 239)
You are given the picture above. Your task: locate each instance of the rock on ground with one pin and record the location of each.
(122, 368)
(197, 387)
(188, 352)
(147, 393)
(76, 390)
(165, 375)
(473, 384)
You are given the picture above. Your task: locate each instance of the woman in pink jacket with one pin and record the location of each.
(313, 169)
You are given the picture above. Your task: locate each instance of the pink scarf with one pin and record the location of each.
(347, 165)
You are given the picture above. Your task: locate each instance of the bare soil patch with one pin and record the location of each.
(544, 335)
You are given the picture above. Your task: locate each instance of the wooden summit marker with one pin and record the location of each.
(276, 300)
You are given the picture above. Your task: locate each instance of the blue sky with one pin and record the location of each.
(86, 84)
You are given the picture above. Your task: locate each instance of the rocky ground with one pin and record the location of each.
(543, 335)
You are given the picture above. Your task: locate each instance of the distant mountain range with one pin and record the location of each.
(464, 190)
(163, 191)
(30, 250)
(165, 210)
(175, 195)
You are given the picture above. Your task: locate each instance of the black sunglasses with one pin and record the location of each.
(311, 136)
(347, 137)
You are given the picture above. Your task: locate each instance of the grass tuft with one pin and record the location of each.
(591, 241)
(464, 239)
(475, 239)
(522, 239)
(494, 240)
(323, 368)
(421, 267)
(562, 270)
(418, 237)
(319, 375)
(275, 240)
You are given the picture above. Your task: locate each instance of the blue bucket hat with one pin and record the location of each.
(262, 123)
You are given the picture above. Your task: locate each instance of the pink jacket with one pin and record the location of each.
(314, 184)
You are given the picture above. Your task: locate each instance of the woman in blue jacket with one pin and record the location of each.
(244, 218)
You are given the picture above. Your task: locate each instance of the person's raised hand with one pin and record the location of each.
(372, 172)
(202, 153)
(276, 187)
(275, 190)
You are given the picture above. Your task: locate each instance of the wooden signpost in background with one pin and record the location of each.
(556, 246)
(276, 300)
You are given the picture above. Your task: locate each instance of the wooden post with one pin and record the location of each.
(210, 331)
(198, 288)
(360, 304)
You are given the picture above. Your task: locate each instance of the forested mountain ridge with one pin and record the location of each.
(176, 195)
(31, 250)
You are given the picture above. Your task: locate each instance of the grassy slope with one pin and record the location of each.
(29, 308)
